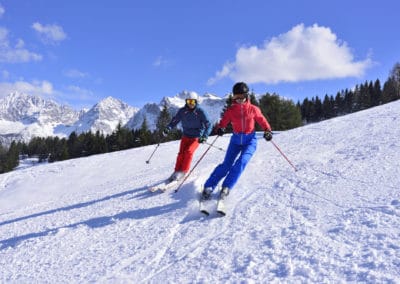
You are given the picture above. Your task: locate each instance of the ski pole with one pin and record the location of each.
(158, 145)
(219, 148)
(295, 169)
(202, 156)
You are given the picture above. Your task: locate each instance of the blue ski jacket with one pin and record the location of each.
(195, 122)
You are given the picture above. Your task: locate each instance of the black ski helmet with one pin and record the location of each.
(240, 88)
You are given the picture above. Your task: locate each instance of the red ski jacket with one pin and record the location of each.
(243, 117)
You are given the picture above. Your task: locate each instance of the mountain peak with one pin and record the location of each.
(26, 116)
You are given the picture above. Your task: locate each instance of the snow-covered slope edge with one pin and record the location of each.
(335, 220)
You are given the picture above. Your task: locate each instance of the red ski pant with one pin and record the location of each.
(186, 150)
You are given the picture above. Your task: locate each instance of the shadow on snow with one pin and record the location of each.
(182, 198)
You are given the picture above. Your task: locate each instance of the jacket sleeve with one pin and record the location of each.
(225, 119)
(207, 127)
(176, 119)
(261, 120)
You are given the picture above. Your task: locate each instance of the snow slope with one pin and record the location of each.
(337, 219)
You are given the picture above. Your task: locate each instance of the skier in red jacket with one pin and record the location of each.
(242, 115)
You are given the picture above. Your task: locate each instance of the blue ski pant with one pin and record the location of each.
(240, 150)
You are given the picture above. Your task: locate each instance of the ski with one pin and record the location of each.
(203, 201)
(221, 209)
(163, 186)
(205, 206)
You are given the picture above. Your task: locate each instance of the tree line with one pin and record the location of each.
(363, 96)
(282, 114)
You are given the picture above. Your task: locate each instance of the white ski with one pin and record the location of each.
(205, 206)
(221, 209)
(163, 186)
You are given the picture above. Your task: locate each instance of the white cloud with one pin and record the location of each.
(70, 94)
(41, 88)
(20, 44)
(17, 53)
(303, 53)
(160, 61)
(2, 11)
(81, 92)
(74, 73)
(49, 34)
(79, 97)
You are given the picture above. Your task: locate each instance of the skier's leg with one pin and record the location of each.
(181, 154)
(187, 156)
(222, 169)
(240, 165)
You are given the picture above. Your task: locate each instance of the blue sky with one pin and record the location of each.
(78, 52)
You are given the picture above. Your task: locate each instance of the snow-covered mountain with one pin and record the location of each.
(335, 220)
(24, 116)
(105, 116)
(212, 104)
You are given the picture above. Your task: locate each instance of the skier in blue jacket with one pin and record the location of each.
(196, 128)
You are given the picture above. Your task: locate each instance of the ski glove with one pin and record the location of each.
(267, 135)
(220, 131)
(202, 139)
(166, 131)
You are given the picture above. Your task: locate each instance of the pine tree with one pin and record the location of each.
(281, 113)
(145, 134)
(389, 91)
(349, 103)
(376, 95)
(3, 159)
(74, 146)
(327, 108)
(339, 104)
(305, 109)
(391, 88)
(11, 157)
(162, 121)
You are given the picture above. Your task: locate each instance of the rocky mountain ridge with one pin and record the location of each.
(24, 116)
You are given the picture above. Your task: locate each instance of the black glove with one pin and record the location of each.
(202, 139)
(166, 131)
(267, 135)
(220, 131)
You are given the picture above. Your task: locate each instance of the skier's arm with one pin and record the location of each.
(176, 119)
(207, 125)
(225, 119)
(261, 120)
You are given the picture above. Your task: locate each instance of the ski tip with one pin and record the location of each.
(205, 212)
(221, 213)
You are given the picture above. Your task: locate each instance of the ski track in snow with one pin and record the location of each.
(337, 219)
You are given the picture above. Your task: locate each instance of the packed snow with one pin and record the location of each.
(335, 220)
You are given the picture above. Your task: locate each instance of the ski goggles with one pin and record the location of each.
(191, 102)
